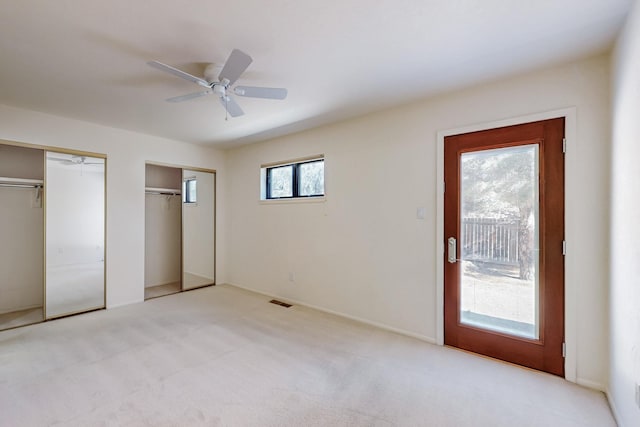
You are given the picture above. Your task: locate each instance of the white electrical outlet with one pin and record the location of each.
(638, 395)
(292, 277)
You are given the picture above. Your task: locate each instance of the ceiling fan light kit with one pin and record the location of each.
(236, 64)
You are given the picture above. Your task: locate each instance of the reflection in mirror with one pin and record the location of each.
(74, 234)
(21, 236)
(198, 219)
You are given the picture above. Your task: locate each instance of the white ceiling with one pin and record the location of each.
(86, 59)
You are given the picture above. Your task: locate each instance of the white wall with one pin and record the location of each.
(127, 153)
(364, 253)
(624, 371)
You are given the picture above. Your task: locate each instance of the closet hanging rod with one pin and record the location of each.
(158, 193)
(163, 191)
(2, 184)
(21, 182)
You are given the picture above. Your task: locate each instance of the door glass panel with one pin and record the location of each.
(499, 268)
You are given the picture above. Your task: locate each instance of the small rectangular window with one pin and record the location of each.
(280, 182)
(189, 190)
(295, 180)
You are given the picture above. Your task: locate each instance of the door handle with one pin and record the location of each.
(452, 250)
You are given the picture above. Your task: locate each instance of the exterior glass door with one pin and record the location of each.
(504, 231)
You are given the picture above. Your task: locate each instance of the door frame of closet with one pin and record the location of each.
(215, 215)
(45, 149)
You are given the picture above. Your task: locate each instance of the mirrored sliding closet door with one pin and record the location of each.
(75, 226)
(198, 228)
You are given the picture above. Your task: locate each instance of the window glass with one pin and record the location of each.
(304, 179)
(311, 178)
(281, 182)
(189, 190)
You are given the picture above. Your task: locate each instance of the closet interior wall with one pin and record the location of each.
(163, 230)
(22, 236)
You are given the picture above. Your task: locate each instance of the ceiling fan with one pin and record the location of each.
(236, 64)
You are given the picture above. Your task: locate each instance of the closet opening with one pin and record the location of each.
(52, 228)
(163, 231)
(22, 231)
(179, 229)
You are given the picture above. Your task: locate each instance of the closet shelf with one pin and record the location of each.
(158, 190)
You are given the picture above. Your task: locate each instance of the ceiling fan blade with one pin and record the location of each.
(61, 161)
(189, 96)
(261, 92)
(169, 69)
(231, 106)
(237, 62)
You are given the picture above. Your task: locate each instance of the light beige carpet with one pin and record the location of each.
(221, 356)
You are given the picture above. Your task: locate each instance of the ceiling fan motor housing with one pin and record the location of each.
(211, 72)
(219, 89)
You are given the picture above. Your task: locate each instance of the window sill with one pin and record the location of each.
(321, 199)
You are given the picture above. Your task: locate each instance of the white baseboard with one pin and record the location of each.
(591, 384)
(612, 406)
(421, 337)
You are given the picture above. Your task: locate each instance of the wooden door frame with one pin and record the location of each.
(571, 185)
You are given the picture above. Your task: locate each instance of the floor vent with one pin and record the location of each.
(276, 302)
